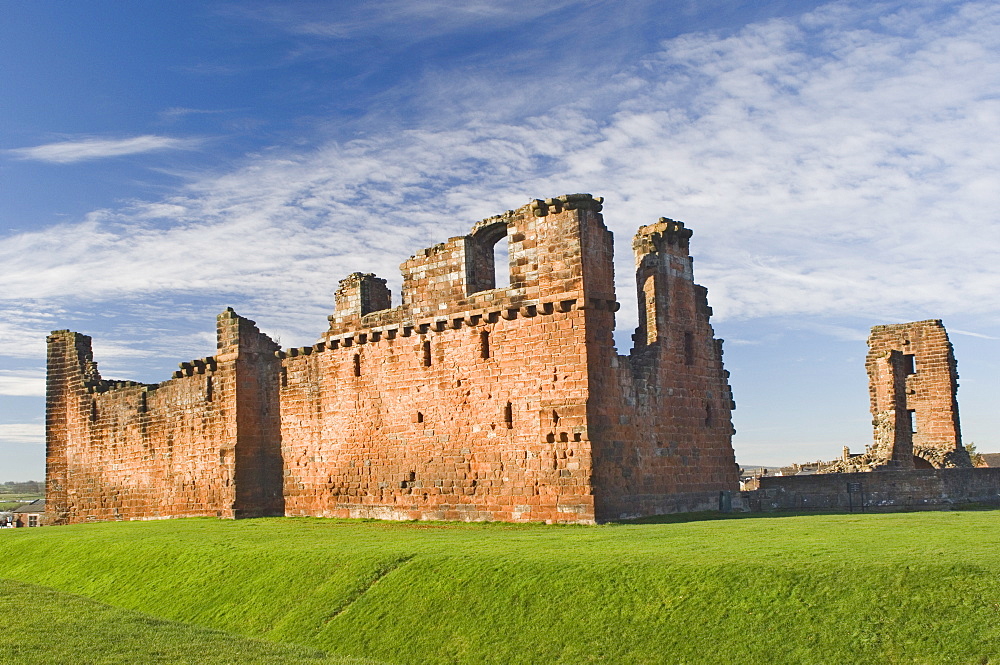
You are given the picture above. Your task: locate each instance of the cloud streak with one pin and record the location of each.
(32, 433)
(87, 149)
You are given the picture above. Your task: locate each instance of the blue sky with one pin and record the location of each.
(837, 162)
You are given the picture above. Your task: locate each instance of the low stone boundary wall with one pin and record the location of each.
(878, 491)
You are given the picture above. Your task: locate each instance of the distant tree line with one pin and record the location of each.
(27, 487)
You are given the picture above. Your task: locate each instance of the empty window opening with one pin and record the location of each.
(909, 364)
(555, 417)
(688, 348)
(709, 416)
(93, 411)
(484, 344)
(419, 417)
(490, 264)
(912, 416)
(508, 415)
(357, 364)
(501, 263)
(284, 377)
(427, 353)
(208, 391)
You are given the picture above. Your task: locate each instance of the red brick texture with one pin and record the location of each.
(913, 384)
(469, 401)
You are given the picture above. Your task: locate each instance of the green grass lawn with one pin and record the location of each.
(882, 588)
(46, 626)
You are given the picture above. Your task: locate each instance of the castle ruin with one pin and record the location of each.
(913, 388)
(468, 401)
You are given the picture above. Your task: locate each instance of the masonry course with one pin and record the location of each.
(468, 401)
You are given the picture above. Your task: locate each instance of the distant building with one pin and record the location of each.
(30, 514)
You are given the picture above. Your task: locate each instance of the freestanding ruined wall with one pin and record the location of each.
(470, 400)
(202, 443)
(913, 384)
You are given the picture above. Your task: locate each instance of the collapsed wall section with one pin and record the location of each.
(122, 450)
(661, 417)
(200, 443)
(913, 388)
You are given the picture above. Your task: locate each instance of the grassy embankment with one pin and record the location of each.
(901, 588)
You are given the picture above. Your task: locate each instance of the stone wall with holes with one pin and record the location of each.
(913, 384)
(470, 400)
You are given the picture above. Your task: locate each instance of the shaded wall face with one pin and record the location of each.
(661, 417)
(913, 383)
(131, 452)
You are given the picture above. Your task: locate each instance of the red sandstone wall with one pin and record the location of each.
(661, 417)
(129, 451)
(463, 437)
(468, 401)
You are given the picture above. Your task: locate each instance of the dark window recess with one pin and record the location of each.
(93, 411)
(357, 364)
(427, 353)
(508, 415)
(709, 416)
(284, 377)
(419, 417)
(909, 364)
(555, 417)
(208, 391)
(484, 344)
(143, 407)
(688, 348)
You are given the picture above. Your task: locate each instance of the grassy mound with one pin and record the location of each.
(46, 626)
(896, 588)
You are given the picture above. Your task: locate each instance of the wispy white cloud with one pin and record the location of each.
(970, 334)
(22, 433)
(29, 383)
(79, 150)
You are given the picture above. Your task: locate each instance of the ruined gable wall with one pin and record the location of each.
(661, 417)
(930, 392)
(452, 435)
(120, 450)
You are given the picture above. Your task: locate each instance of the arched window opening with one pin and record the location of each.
(489, 267)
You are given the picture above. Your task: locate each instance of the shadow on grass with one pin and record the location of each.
(710, 515)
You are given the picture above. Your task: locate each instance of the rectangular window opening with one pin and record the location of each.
(912, 415)
(427, 353)
(909, 364)
(484, 344)
(357, 364)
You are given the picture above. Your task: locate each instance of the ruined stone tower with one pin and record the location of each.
(913, 384)
(470, 400)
